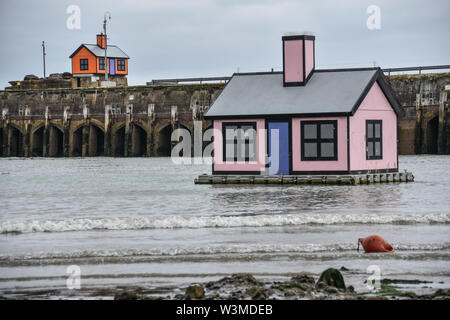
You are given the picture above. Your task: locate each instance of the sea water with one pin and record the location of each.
(143, 222)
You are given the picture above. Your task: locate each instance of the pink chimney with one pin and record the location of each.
(298, 59)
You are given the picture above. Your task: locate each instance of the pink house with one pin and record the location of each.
(305, 121)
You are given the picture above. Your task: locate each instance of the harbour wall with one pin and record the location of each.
(139, 120)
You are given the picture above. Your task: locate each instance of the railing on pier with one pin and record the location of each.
(200, 80)
(418, 70)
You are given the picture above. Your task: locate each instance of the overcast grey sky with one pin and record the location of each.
(193, 38)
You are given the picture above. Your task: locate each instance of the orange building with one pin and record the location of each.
(89, 60)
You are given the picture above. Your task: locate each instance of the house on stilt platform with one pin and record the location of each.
(305, 121)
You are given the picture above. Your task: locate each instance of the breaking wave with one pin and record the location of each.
(172, 222)
(217, 249)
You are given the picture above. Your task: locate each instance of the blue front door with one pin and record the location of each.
(278, 148)
(112, 66)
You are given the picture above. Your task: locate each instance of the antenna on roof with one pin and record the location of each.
(106, 18)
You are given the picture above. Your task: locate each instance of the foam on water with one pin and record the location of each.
(214, 249)
(171, 222)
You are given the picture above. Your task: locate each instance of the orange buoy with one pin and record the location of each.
(375, 243)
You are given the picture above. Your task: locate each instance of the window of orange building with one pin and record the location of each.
(120, 65)
(84, 65)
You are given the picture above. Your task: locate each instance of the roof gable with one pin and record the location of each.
(328, 93)
(78, 49)
(386, 88)
(375, 100)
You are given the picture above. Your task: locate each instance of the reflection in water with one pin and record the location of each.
(137, 187)
(305, 198)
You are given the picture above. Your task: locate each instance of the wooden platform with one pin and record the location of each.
(349, 179)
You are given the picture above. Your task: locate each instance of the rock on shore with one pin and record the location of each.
(329, 286)
(243, 286)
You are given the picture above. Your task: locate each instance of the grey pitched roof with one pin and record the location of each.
(112, 51)
(326, 92)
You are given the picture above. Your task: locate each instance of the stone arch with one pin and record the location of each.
(56, 141)
(78, 127)
(95, 144)
(138, 140)
(432, 135)
(118, 141)
(17, 127)
(76, 146)
(56, 125)
(16, 141)
(37, 141)
(144, 124)
(164, 143)
(39, 126)
(96, 140)
(99, 124)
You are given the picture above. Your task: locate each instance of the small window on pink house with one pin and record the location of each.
(239, 141)
(374, 139)
(318, 140)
